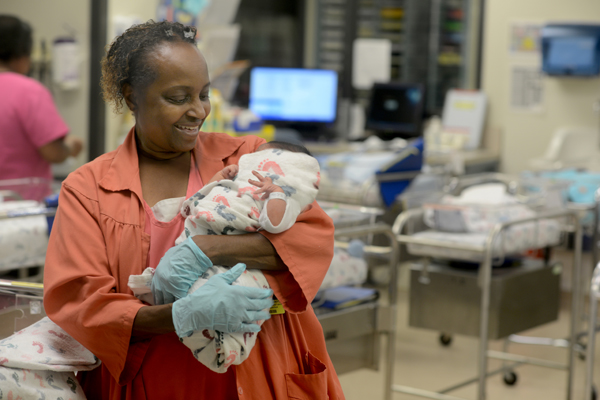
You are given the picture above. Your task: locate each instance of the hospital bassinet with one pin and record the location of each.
(480, 298)
(27, 209)
(590, 390)
(21, 305)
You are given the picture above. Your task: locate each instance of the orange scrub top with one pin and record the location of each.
(98, 241)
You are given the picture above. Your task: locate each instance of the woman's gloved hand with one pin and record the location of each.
(217, 305)
(177, 271)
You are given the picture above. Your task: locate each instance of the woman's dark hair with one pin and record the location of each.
(16, 38)
(126, 60)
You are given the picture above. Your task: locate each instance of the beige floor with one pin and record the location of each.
(420, 361)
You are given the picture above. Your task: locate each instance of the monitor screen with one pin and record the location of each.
(572, 52)
(294, 94)
(396, 108)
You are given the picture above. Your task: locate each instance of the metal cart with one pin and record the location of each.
(410, 221)
(590, 392)
(353, 335)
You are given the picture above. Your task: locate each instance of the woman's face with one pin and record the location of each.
(171, 110)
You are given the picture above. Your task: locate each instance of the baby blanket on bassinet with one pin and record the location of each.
(23, 240)
(230, 207)
(39, 361)
(217, 350)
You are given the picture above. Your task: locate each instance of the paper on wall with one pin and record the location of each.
(526, 88)
(371, 62)
(462, 118)
(525, 38)
(66, 64)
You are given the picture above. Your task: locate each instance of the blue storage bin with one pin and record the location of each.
(395, 177)
(51, 202)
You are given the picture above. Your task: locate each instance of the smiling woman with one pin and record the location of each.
(119, 214)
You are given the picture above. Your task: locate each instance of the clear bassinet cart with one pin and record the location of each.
(484, 301)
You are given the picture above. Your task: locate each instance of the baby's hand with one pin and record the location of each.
(265, 185)
(230, 171)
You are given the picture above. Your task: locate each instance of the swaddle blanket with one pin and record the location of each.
(23, 240)
(217, 350)
(229, 207)
(476, 210)
(39, 361)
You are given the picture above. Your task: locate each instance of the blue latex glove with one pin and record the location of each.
(222, 307)
(177, 271)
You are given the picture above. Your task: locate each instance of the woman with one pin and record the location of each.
(119, 214)
(32, 133)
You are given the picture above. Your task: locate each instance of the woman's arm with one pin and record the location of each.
(252, 249)
(58, 150)
(153, 320)
(81, 292)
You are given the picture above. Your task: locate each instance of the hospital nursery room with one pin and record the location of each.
(300, 199)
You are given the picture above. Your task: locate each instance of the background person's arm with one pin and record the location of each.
(60, 149)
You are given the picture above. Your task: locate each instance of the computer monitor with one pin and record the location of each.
(571, 49)
(396, 109)
(294, 95)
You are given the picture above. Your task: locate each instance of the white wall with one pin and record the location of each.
(134, 11)
(48, 18)
(568, 101)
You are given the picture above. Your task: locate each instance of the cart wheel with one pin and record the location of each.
(510, 378)
(445, 339)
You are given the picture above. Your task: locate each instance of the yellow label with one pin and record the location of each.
(28, 284)
(464, 105)
(276, 308)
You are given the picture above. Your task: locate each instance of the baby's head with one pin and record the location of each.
(295, 148)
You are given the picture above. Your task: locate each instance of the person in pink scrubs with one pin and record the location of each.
(118, 215)
(32, 133)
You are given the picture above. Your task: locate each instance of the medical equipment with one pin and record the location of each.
(369, 178)
(571, 49)
(396, 109)
(570, 147)
(175, 276)
(222, 306)
(488, 287)
(294, 95)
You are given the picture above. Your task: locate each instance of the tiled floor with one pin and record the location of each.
(420, 361)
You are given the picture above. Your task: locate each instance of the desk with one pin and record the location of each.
(475, 161)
